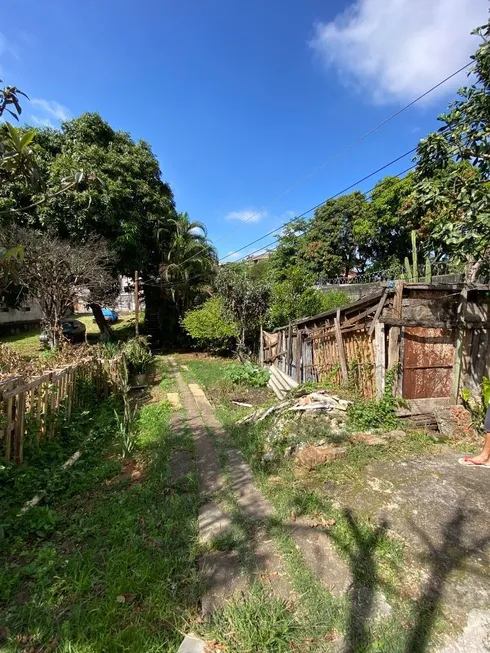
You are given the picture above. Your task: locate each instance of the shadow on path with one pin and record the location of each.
(365, 580)
(443, 559)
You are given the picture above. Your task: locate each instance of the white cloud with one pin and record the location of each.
(43, 121)
(247, 215)
(395, 50)
(52, 109)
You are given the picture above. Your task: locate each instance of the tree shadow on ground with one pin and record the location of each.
(443, 558)
(361, 551)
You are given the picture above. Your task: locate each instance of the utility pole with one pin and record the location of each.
(136, 303)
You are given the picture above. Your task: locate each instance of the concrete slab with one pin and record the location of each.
(173, 399)
(441, 510)
(213, 522)
(321, 557)
(476, 636)
(192, 644)
(196, 390)
(251, 502)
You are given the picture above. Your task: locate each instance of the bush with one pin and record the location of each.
(211, 325)
(248, 374)
(295, 298)
(373, 414)
(138, 355)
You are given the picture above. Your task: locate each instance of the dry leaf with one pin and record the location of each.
(293, 515)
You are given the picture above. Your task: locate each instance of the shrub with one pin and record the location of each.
(373, 414)
(211, 325)
(138, 355)
(248, 374)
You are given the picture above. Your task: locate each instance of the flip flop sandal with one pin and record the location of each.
(467, 462)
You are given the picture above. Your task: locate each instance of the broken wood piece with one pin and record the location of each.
(242, 403)
(39, 497)
(378, 311)
(317, 406)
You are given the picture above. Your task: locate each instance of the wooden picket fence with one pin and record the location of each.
(34, 407)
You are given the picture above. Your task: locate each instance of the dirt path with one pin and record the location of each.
(230, 499)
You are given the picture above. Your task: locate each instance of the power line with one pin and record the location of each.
(344, 190)
(243, 258)
(337, 154)
(176, 283)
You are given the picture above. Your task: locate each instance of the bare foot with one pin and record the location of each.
(481, 459)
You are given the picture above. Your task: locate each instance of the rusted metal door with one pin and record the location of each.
(428, 361)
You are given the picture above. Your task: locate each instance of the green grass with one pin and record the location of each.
(316, 616)
(108, 563)
(257, 623)
(207, 371)
(27, 343)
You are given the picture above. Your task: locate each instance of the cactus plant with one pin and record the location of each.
(415, 262)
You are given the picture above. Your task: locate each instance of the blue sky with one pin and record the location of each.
(240, 100)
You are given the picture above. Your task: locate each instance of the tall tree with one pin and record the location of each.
(190, 263)
(245, 299)
(119, 196)
(329, 247)
(381, 233)
(456, 198)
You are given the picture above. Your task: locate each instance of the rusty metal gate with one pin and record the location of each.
(428, 361)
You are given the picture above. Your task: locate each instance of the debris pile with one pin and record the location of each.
(313, 401)
(312, 427)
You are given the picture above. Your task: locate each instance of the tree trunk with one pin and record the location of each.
(106, 333)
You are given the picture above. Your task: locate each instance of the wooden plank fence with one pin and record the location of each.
(35, 406)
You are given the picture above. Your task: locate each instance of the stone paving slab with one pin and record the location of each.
(251, 501)
(321, 557)
(213, 522)
(174, 400)
(192, 644)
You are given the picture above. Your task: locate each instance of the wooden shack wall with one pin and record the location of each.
(417, 330)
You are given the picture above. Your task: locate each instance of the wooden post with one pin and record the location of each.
(395, 332)
(19, 427)
(297, 355)
(261, 346)
(458, 352)
(340, 346)
(290, 350)
(136, 303)
(379, 358)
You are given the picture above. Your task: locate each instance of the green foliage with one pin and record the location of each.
(295, 297)
(244, 298)
(190, 264)
(138, 355)
(477, 407)
(257, 622)
(211, 325)
(126, 424)
(380, 233)
(329, 248)
(248, 374)
(368, 414)
(454, 197)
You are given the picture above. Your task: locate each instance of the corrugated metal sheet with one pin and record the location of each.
(428, 362)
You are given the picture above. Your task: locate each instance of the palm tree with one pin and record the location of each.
(190, 263)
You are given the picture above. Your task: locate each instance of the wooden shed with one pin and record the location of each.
(435, 337)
